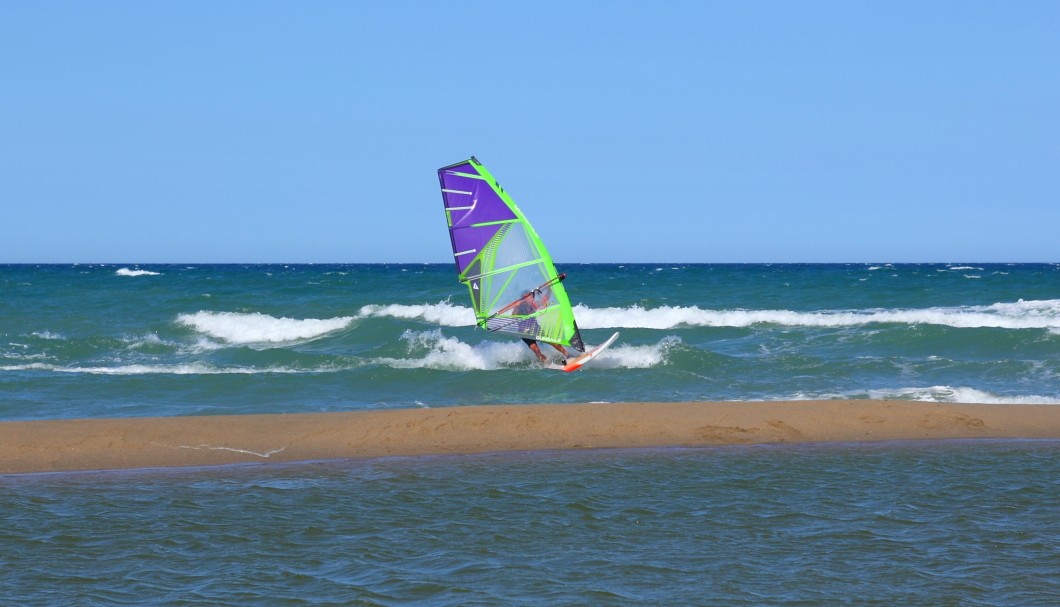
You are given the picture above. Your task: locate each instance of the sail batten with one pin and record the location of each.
(502, 270)
(510, 275)
(493, 223)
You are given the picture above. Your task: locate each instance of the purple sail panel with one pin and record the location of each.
(470, 201)
(461, 195)
(467, 242)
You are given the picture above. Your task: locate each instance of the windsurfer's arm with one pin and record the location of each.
(546, 294)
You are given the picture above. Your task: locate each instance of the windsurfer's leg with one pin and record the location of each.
(536, 350)
(563, 352)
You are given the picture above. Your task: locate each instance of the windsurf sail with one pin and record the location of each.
(513, 283)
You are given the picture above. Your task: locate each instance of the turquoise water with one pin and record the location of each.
(958, 523)
(949, 523)
(92, 341)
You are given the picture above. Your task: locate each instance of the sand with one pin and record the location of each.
(102, 444)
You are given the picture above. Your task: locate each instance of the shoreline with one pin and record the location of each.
(127, 443)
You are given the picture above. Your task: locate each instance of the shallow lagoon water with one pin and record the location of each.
(944, 523)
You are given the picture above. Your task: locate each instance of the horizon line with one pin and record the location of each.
(649, 262)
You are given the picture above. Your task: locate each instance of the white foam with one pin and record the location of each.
(433, 350)
(629, 356)
(128, 272)
(147, 339)
(20, 356)
(181, 369)
(443, 313)
(1030, 314)
(940, 394)
(257, 328)
(46, 335)
(1043, 314)
(972, 395)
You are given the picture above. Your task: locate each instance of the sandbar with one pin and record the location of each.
(122, 443)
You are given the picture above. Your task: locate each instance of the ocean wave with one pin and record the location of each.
(130, 272)
(442, 313)
(433, 350)
(629, 356)
(1041, 314)
(1030, 314)
(176, 369)
(256, 328)
(147, 340)
(47, 335)
(239, 328)
(938, 394)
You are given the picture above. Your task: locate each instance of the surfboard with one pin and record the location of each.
(576, 363)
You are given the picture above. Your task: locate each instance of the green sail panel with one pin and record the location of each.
(510, 275)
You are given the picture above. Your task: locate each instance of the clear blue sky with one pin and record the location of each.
(140, 132)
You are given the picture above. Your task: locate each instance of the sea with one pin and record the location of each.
(962, 522)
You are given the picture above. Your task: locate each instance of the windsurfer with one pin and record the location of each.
(526, 306)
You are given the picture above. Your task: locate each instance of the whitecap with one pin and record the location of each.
(137, 272)
(177, 369)
(630, 356)
(46, 335)
(1041, 314)
(434, 350)
(443, 313)
(936, 394)
(257, 328)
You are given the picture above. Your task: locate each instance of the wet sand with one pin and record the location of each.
(103, 444)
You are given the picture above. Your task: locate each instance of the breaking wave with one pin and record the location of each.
(257, 328)
(177, 369)
(938, 394)
(1042, 314)
(433, 350)
(129, 272)
(442, 313)
(1022, 314)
